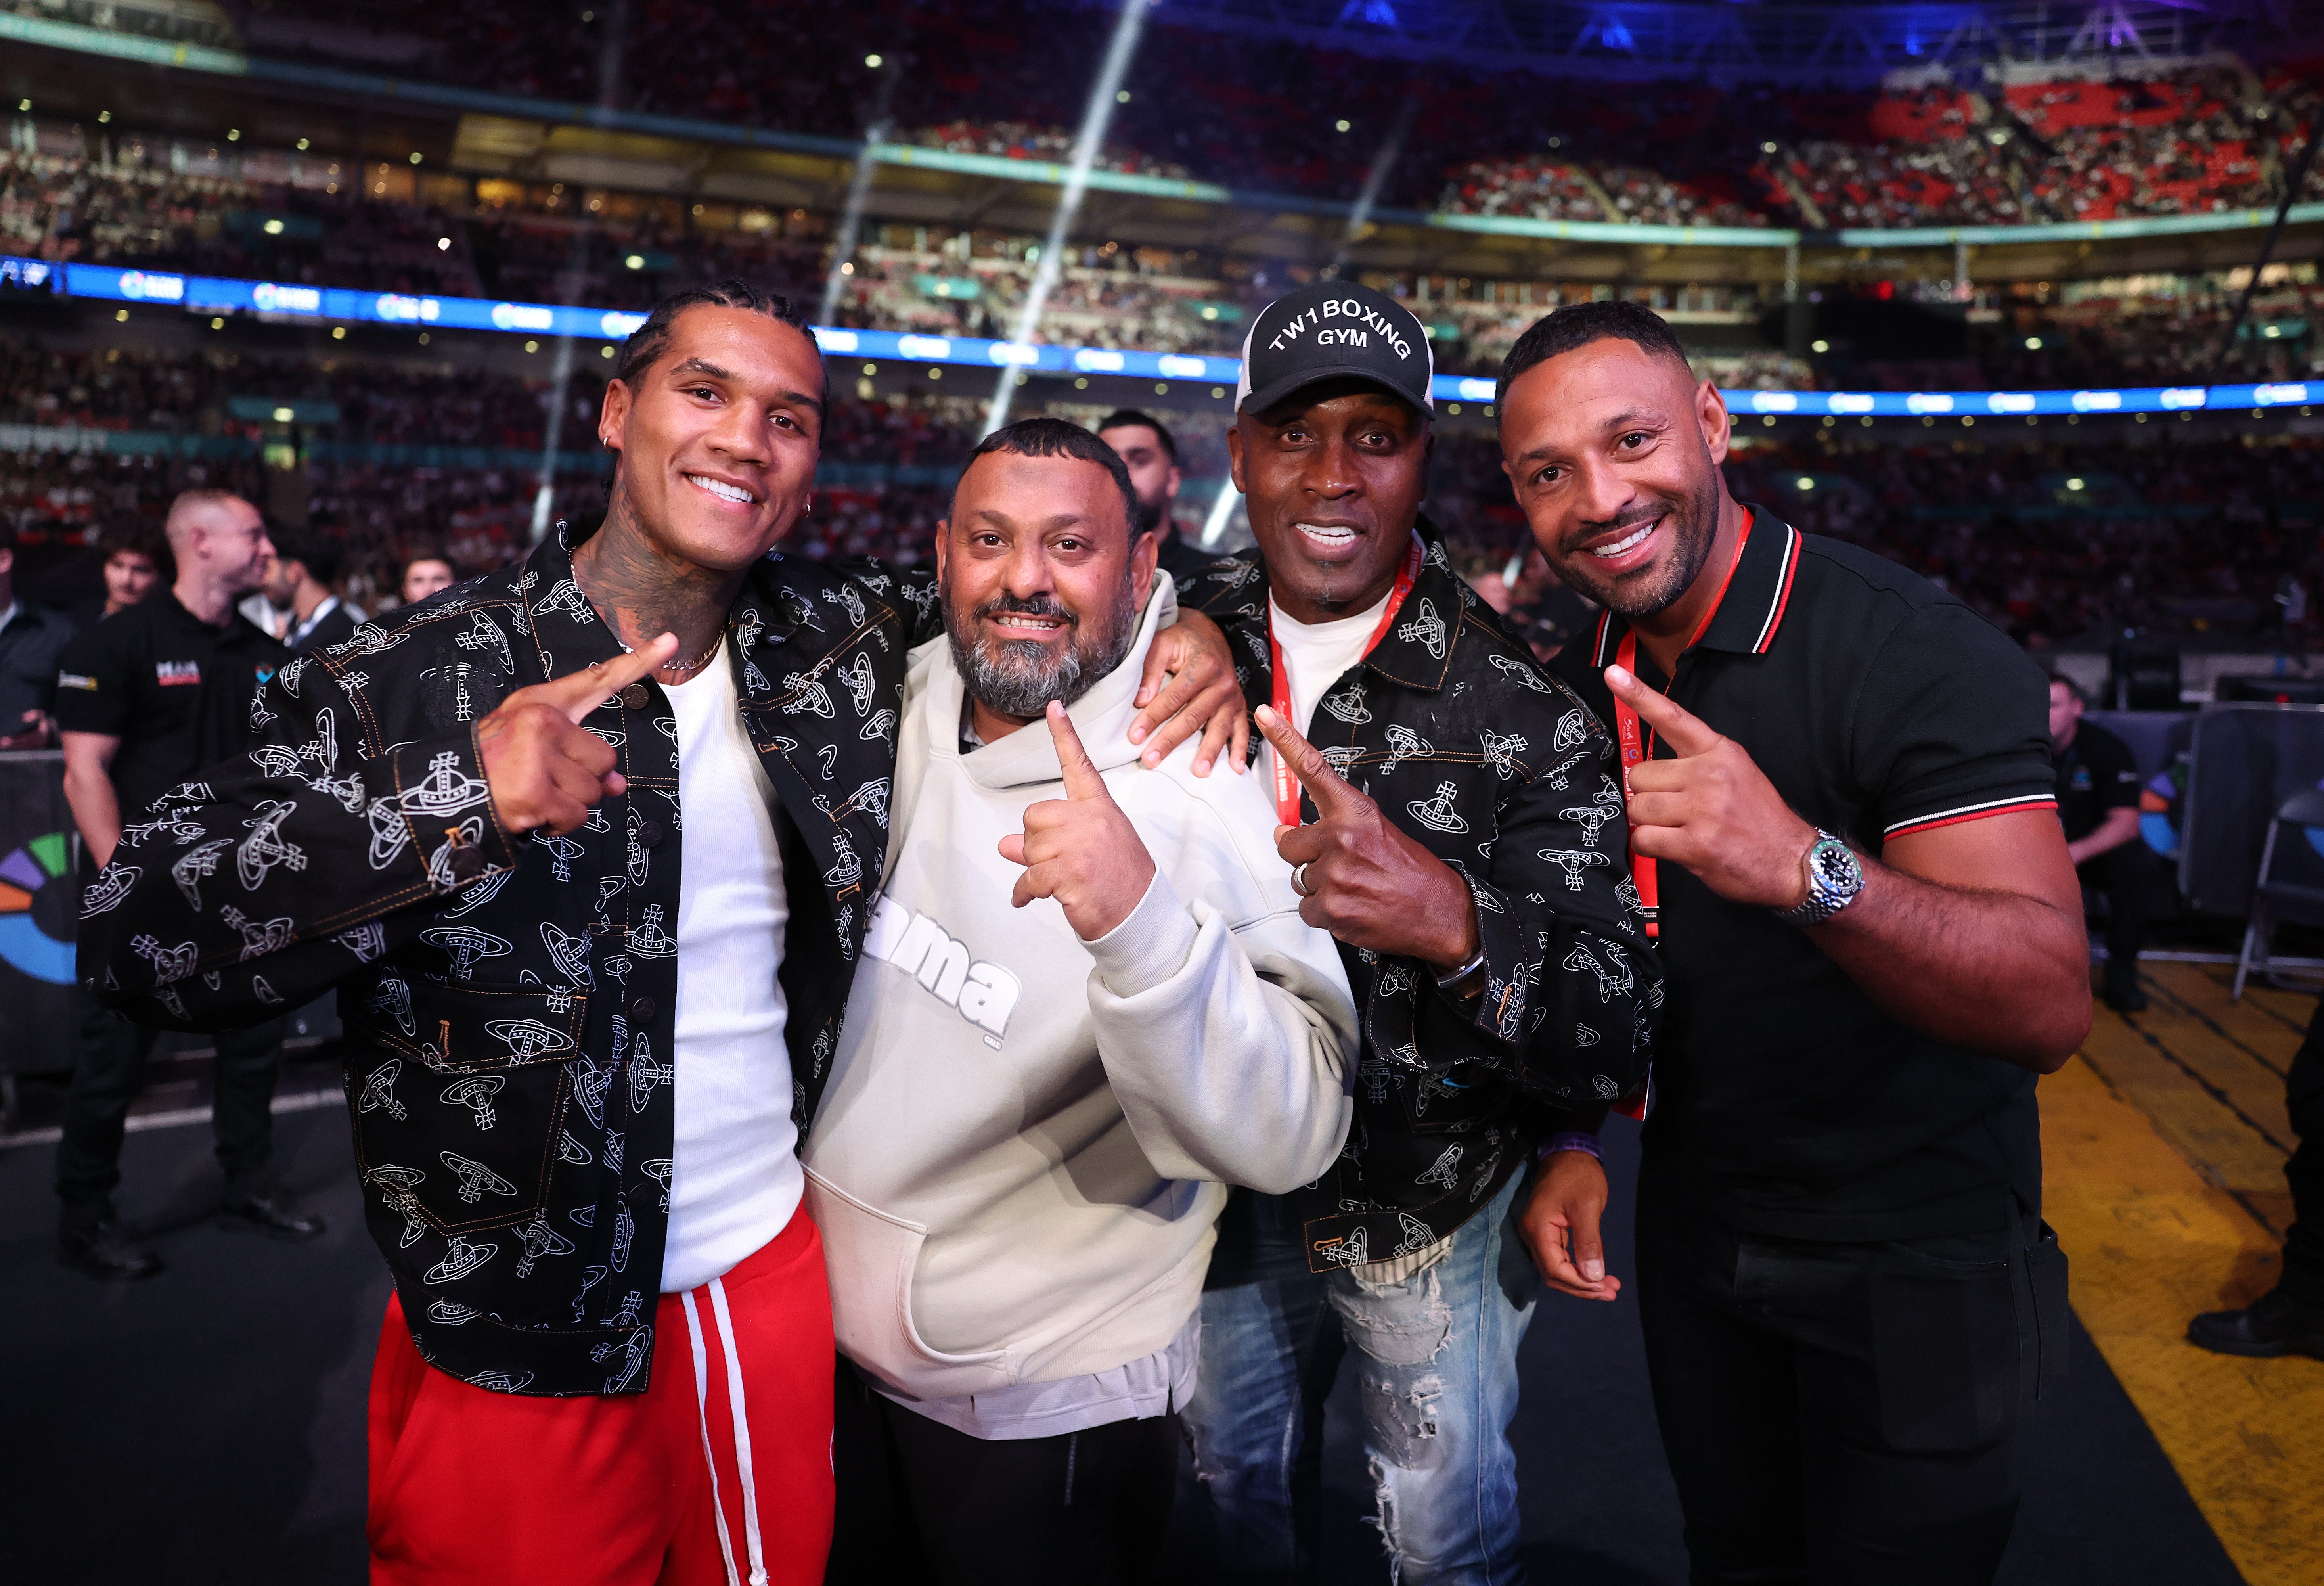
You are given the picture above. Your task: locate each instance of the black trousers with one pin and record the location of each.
(105, 1072)
(2131, 880)
(1843, 1414)
(921, 1502)
(2303, 1248)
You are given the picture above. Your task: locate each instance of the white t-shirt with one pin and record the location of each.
(1315, 654)
(735, 1179)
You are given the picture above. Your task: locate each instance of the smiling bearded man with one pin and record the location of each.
(581, 1048)
(1092, 1006)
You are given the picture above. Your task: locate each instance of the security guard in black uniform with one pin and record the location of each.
(144, 699)
(2097, 801)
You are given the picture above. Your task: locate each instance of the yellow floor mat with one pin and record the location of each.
(2164, 1147)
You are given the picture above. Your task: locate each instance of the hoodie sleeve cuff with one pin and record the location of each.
(1151, 945)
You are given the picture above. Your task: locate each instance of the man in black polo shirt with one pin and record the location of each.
(1842, 815)
(2097, 804)
(1151, 453)
(145, 698)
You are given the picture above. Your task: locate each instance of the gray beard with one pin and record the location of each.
(1019, 678)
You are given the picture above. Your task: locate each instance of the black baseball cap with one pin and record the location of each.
(1334, 330)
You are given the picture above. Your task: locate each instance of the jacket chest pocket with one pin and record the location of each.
(460, 1107)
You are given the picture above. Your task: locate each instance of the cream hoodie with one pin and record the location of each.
(1027, 1138)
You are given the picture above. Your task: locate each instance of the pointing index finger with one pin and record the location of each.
(1682, 729)
(1080, 773)
(1327, 786)
(577, 693)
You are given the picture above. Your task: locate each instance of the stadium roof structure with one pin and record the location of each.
(1787, 41)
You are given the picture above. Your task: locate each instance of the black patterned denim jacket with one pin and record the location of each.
(509, 1002)
(1498, 770)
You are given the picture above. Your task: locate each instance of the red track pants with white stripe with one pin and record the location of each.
(719, 1474)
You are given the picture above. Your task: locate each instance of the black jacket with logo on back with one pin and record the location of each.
(509, 1002)
(1474, 752)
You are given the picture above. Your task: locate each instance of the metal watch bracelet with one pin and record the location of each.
(1828, 894)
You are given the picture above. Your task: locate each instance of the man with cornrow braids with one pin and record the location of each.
(581, 1049)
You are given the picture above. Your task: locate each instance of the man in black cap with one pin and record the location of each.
(1151, 455)
(1462, 835)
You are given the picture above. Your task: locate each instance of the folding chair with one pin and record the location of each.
(2271, 898)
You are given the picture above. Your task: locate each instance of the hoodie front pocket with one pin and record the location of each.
(872, 1258)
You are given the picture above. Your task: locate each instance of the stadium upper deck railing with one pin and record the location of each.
(217, 295)
(74, 36)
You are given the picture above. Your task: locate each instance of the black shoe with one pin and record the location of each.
(2126, 997)
(2273, 1325)
(102, 1250)
(277, 1216)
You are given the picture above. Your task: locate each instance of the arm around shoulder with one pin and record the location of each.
(1226, 1042)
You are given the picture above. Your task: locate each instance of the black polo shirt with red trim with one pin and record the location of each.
(1786, 1101)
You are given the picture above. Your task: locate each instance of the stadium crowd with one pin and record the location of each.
(276, 214)
(2048, 542)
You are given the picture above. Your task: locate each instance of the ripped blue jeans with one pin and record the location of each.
(1437, 1376)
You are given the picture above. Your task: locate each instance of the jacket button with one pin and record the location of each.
(468, 862)
(642, 1009)
(650, 834)
(635, 697)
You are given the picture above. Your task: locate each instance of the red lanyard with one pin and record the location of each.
(1287, 786)
(1637, 742)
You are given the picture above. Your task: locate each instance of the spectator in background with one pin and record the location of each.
(136, 558)
(146, 699)
(425, 571)
(1152, 454)
(301, 588)
(30, 638)
(2097, 800)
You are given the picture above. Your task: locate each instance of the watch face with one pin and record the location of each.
(1835, 865)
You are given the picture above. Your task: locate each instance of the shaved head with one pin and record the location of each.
(204, 509)
(220, 544)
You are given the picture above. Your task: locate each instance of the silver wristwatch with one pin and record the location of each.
(1834, 879)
